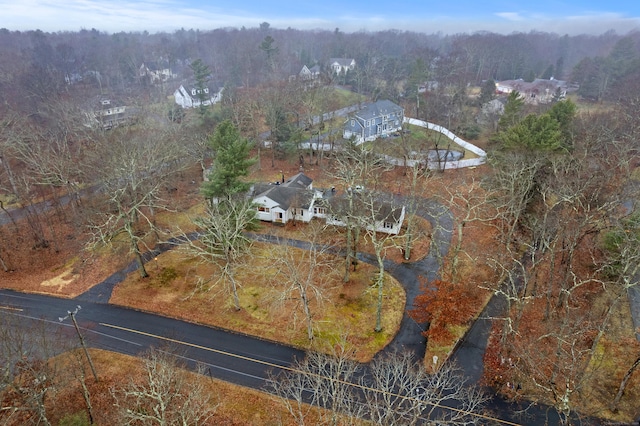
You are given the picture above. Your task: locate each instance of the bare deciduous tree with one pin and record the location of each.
(167, 395)
(396, 390)
(321, 380)
(222, 242)
(304, 274)
(132, 166)
(29, 376)
(401, 392)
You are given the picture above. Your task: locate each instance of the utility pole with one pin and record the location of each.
(84, 346)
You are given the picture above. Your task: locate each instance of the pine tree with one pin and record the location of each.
(512, 111)
(201, 74)
(231, 164)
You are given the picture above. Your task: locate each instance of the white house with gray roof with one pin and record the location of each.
(295, 199)
(290, 199)
(375, 120)
(342, 65)
(188, 96)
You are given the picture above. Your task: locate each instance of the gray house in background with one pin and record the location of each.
(375, 120)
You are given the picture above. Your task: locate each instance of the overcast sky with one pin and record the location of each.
(457, 16)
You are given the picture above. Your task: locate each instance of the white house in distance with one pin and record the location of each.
(187, 96)
(296, 199)
(342, 65)
(378, 119)
(307, 73)
(156, 72)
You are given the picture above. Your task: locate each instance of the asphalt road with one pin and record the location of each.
(228, 356)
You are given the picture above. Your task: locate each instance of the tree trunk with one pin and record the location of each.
(348, 257)
(623, 385)
(307, 311)
(139, 259)
(380, 284)
(234, 287)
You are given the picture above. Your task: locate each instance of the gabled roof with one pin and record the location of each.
(288, 197)
(299, 180)
(377, 109)
(385, 211)
(295, 191)
(344, 62)
(212, 87)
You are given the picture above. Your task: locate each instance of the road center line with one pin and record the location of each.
(193, 345)
(11, 308)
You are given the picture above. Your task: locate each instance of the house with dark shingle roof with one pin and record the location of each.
(295, 199)
(378, 119)
(286, 200)
(388, 216)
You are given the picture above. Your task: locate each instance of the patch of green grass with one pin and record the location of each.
(166, 276)
(346, 98)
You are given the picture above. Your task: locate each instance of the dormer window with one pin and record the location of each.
(206, 90)
(193, 92)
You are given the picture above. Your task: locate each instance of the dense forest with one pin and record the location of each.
(35, 63)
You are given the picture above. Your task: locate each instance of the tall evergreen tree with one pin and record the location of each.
(231, 164)
(487, 92)
(512, 111)
(201, 74)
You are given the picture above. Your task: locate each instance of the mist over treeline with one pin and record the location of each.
(39, 65)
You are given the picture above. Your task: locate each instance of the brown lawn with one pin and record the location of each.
(179, 286)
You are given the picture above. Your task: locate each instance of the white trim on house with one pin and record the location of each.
(296, 199)
(188, 97)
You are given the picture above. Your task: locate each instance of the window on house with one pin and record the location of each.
(193, 92)
(206, 90)
(353, 122)
(388, 225)
(319, 210)
(263, 209)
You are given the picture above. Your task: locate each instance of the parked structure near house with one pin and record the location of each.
(106, 114)
(538, 91)
(295, 199)
(342, 65)
(156, 72)
(188, 96)
(379, 119)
